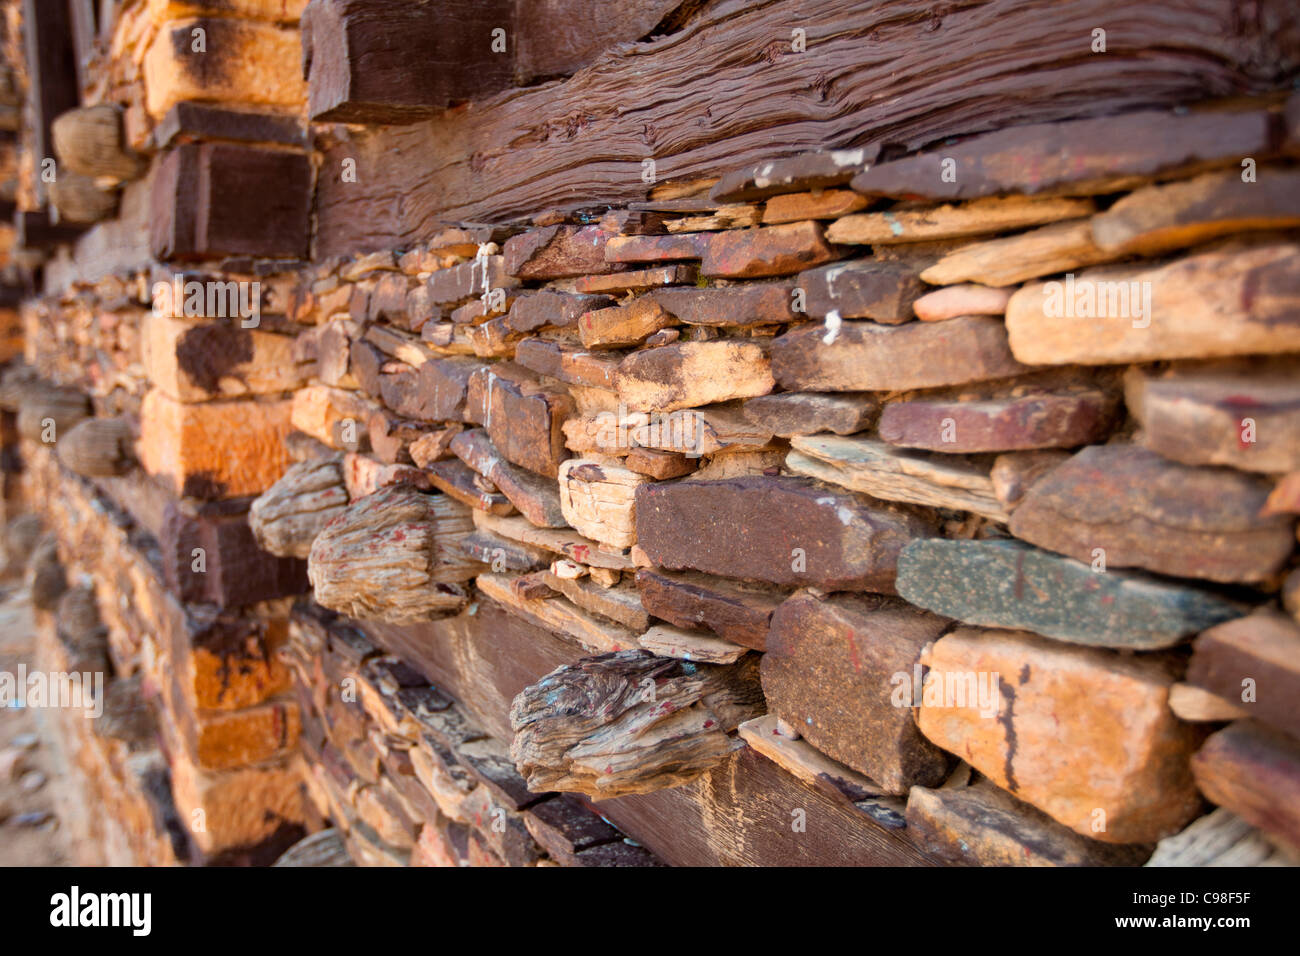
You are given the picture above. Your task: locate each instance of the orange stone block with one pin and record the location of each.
(221, 740)
(214, 449)
(1084, 734)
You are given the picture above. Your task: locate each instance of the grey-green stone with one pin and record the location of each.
(1006, 583)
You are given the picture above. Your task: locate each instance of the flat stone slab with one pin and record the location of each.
(1141, 510)
(780, 530)
(1003, 583)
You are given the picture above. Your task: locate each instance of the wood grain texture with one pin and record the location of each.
(358, 57)
(51, 73)
(594, 727)
(873, 73)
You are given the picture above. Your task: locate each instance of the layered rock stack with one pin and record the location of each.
(151, 403)
(969, 465)
(927, 502)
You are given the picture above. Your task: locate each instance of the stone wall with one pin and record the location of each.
(873, 506)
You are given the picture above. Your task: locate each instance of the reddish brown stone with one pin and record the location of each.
(363, 475)
(1014, 473)
(1145, 511)
(469, 280)
(863, 289)
(477, 311)
(558, 252)
(755, 303)
(558, 310)
(573, 365)
(1082, 733)
(1254, 771)
(1037, 420)
(443, 388)
(623, 325)
(1253, 661)
(737, 612)
(781, 530)
(391, 436)
(864, 356)
(793, 413)
(537, 499)
(525, 419)
(766, 251)
(692, 374)
(365, 362)
(1285, 496)
(455, 478)
(388, 298)
(492, 339)
(831, 671)
(685, 245)
(825, 204)
(1238, 414)
(658, 464)
(636, 280)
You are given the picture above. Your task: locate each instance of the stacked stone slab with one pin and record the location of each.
(858, 457)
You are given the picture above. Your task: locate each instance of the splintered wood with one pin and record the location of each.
(289, 515)
(393, 556)
(630, 723)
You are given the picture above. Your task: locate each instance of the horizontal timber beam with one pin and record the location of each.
(729, 89)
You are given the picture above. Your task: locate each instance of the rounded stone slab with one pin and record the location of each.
(1004, 583)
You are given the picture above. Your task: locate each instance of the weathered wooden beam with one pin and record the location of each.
(91, 141)
(98, 447)
(287, 517)
(79, 200)
(224, 59)
(187, 122)
(211, 555)
(391, 61)
(393, 556)
(34, 230)
(556, 37)
(48, 412)
(51, 73)
(585, 141)
(214, 449)
(218, 199)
